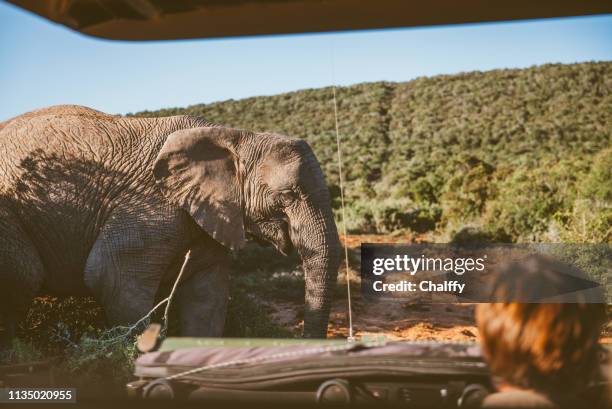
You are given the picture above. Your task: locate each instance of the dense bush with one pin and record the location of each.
(590, 218)
(509, 151)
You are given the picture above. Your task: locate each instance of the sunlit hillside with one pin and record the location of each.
(510, 155)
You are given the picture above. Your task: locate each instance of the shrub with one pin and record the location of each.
(467, 191)
(590, 218)
(528, 199)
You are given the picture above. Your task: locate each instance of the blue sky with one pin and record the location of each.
(43, 64)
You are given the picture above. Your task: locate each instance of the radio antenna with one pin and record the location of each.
(341, 177)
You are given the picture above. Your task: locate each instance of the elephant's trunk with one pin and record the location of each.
(314, 234)
(320, 281)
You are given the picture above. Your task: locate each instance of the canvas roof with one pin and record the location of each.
(183, 19)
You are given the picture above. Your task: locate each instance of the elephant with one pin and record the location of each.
(108, 206)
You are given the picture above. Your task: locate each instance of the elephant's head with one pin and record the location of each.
(235, 183)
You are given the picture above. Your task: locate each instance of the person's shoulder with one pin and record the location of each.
(529, 399)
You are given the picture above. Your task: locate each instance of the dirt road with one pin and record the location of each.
(396, 320)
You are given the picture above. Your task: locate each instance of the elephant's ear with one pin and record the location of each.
(197, 171)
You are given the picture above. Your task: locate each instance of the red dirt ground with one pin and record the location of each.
(407, 321)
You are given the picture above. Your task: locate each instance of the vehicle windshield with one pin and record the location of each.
(467, 134)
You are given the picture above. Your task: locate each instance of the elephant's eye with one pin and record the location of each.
(286, 197)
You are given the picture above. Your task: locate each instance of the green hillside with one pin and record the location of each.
(521, 154)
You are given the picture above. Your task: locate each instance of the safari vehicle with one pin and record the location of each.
(369, 371)
(410, 374)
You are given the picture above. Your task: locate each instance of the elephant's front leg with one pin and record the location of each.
(201, 300)
(128, 260)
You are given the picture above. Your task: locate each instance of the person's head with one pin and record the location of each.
(549, 347)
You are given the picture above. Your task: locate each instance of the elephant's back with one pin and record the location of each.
(65, 109)
(78, 158)
(73, 163)
(66, 172)
(75, 132)
(25, 132)
(71, 124)
(83, 149)
(70, 110)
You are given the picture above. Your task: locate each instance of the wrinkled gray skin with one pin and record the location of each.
(96, 204)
